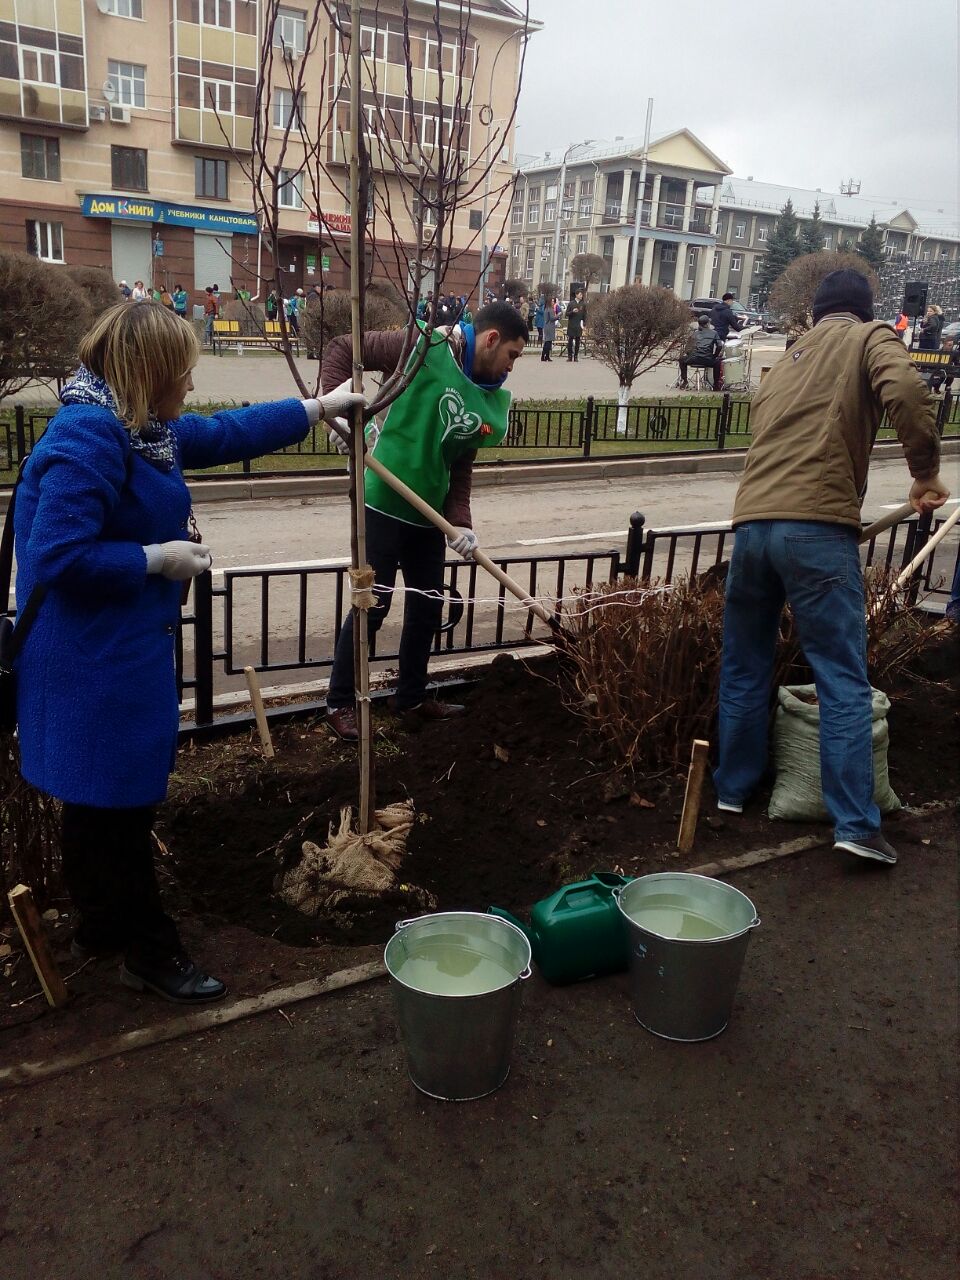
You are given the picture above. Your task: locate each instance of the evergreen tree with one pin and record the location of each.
(871, 245)
(782, 247)
(811, 233)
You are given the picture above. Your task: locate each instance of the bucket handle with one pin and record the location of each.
(522, 977)
(754, 923)
(402, 924)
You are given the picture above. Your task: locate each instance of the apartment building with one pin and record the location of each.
(585, 200)
(701, 231)
(922, 236)
(126, 127)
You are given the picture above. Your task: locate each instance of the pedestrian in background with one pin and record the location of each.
(211, 312)
(125, 290)
(180, 300)
(576, 318)
(797, 520)
(538, 318)
(930, 327)
(101, 524)
(549, 329)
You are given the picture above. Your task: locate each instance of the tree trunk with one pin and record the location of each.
(623, 395)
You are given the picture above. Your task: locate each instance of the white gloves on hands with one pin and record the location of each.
(465, 544)
(341, 400)
(179, 561)
(341, 433)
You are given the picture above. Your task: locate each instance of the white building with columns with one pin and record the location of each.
(584, 200)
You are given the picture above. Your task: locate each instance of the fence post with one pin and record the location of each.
(943, 411)
(21, 431)
(203, 648)
(723, 422)
(586, 427)
(921, 535)
(631, 563)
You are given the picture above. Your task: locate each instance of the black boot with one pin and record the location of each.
(176, 978)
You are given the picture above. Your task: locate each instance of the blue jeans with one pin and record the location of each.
(816, 569)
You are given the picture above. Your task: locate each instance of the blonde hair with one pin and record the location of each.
(143, 352)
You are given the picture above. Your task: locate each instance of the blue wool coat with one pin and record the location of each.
(96, 688)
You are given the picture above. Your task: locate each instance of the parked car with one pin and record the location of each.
(951, 330)
(703, 306)
(771, 322)
(750, 319)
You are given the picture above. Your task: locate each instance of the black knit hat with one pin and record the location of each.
(845, 290)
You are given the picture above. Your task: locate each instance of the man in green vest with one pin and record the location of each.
(454, 406)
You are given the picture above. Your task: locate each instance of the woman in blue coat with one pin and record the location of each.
(101, 529)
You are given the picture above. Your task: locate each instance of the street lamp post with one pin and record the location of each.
(555, 263)
(641, 188)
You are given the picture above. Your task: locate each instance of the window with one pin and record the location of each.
(762, 233)
(533, 214)
(40, 157)
(217, 95)
(45, 240)
(673, 215)
(476, 220)
(516, 216)
(211, 178)
(692, 258)
(586, 187)
(289, 189)
(828, 242)
(546, 248)
(531, 252)
(668, 253)
(517, 249)
(736, 261)
(290, 30)
(533, 194)
(550, 209)
(739, 230)
(716, 259)
(569, 190)
(131, 82)
(283, 108)
(551, 192)
(39, 66)
(757, 266)
(581, 244)
(586, 206)
(373, 43)
(129, 167)
(218, 13)
(125, 8)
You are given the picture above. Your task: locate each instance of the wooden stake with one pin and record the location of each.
(691, 798)
(358, 537)
(27, 916)
(256, 699)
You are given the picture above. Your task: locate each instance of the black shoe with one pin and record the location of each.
(343, 722)
(873, 848)
(175, 978)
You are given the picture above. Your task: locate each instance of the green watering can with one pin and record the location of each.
(578, 931)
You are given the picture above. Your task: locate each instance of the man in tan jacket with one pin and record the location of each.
(797, 520)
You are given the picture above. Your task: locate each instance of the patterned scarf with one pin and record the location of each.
(156, 442)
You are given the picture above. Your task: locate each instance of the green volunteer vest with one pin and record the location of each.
(441, 416)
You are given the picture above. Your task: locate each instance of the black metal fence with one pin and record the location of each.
(232, 624)
(648, 427)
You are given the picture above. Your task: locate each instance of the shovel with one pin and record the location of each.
(451, 531)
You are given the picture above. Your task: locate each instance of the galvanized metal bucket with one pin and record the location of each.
(456, 986)
(688, 938)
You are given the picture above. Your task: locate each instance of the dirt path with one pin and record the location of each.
(813, 1139)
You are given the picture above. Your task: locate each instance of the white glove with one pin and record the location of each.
(179, 561)
(465, 544)
(343, 433)
(341, 400)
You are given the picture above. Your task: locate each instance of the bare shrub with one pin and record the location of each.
(588, 267)
(322, 320)
(792, 293)
(43, 317)
(97, 286)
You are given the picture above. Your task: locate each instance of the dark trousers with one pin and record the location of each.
(716, 365)
(547, 348)
(573, 346)
(109, 874)
(418, 552)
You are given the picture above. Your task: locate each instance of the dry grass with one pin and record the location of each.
(30, 830)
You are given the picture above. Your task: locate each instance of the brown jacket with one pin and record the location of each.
(381, 351)
(815, 418)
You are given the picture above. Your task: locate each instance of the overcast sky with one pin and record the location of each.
(805, 93)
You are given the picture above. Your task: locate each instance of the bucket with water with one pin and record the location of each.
(456, 985)
(688, 937)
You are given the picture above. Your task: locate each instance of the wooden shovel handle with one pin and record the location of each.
(451, 531)
(928, 547)
(886, 522)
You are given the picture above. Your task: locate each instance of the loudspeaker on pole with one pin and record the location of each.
(915, 298)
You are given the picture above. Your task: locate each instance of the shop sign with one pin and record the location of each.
(173, 214)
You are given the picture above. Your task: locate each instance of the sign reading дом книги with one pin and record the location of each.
(129, 208)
